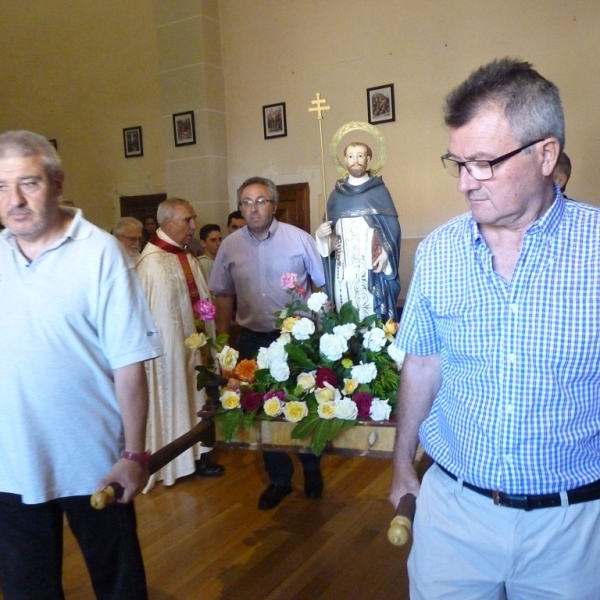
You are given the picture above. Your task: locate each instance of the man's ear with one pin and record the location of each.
(550, 153)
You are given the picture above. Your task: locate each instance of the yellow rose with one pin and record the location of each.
(229, 398)
(350, 386)
(347, 363)
(195, 341)
(228, 358)
(295, 411)
(273, 407)
(286, 326)
(390, 329)
(324, 395)
(326, 410)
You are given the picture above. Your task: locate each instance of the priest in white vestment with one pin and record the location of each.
(172, 280)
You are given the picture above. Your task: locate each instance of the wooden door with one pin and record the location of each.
(141, 206)
(294, 205)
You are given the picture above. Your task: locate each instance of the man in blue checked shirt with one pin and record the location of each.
(501, 381)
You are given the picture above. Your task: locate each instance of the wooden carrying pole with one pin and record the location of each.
(203, 432)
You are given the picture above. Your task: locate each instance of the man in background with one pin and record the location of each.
(562, 171)
(210, 240)
(173, 281)
(74, 414)
(128, 230)
(235, 221)
(250, 264)
(500, 380)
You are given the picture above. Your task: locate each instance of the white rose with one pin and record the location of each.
(279, 370)
(326, 410)
(346, 331)
(346, 409)
(333, 346)
(307, 381)
(350, 386)
(396, 354)
(380, 410)
(327, 393)
(295, 411)
(303, 329)
(276, 352)
(364, 373)
(375, 339)
(284, 338)
(228, 358)
(317, 301)
(273, 407)
(262, 359)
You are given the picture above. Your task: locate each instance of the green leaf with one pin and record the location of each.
(349, 314)
(222, 339)
(348, 423)
(320, 436)
(249, 419)
(336, 426)
(305, 427)
(299, 356)
(231, 423)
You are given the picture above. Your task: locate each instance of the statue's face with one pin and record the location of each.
(357, 161)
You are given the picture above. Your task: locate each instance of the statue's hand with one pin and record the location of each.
(324, 230)
(380, 263)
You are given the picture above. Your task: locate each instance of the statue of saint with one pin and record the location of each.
(362, 239)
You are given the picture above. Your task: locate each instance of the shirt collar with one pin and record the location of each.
(272, 229)
(165, 238)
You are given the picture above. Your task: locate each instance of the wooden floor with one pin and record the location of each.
(205, 538)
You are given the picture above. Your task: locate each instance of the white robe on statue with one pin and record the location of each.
(174, 399)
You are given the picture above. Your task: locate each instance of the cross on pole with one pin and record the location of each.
(318, 108)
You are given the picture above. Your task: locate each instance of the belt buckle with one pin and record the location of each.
(496, 497)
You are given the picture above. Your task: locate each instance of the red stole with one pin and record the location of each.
(184, 261)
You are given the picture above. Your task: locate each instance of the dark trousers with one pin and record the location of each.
(279, 465)
(31, 548)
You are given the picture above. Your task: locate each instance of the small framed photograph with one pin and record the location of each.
(54, 143)
(132, 141)
(184, 128)
(274, 120)
(380, 101)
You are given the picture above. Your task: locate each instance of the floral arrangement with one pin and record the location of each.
(325, 372)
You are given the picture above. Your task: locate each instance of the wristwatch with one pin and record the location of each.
(141, 457)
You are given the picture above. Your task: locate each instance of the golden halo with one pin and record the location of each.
(354, 126)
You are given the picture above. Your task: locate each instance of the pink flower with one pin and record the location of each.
(206, 309)
(288, 281)
(301, 290)
(275, 394)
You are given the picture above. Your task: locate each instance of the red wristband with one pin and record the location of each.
(142, 457)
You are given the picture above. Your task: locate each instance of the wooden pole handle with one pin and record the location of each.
(401, 525)
(204, 432)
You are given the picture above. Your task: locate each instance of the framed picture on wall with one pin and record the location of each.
(132, 141)
(184, 128)
(54, 143)
(380, 102)
(274, 120)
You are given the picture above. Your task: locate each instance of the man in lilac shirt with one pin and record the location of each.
(249, 264)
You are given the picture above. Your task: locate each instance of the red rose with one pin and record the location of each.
(363, 401)
(251, 401)
(323, 375)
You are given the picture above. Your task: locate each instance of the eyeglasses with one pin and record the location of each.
(258, 202)
(480, 169)
(131, 238)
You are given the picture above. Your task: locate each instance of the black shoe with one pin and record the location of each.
(273, 496)
(206, 468)
(313, 484)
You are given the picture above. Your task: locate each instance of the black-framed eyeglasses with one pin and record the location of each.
(480, 169)
(131, 238)
(258, 202)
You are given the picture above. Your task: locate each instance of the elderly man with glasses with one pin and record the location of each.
(129, 231)
(502, 337)
(250, 264)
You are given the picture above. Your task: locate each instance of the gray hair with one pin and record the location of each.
(530, 102)
(271, 187)
(166, 209)
(123, 222)
(26, 143)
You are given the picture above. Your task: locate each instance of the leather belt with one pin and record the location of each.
(585, 493)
